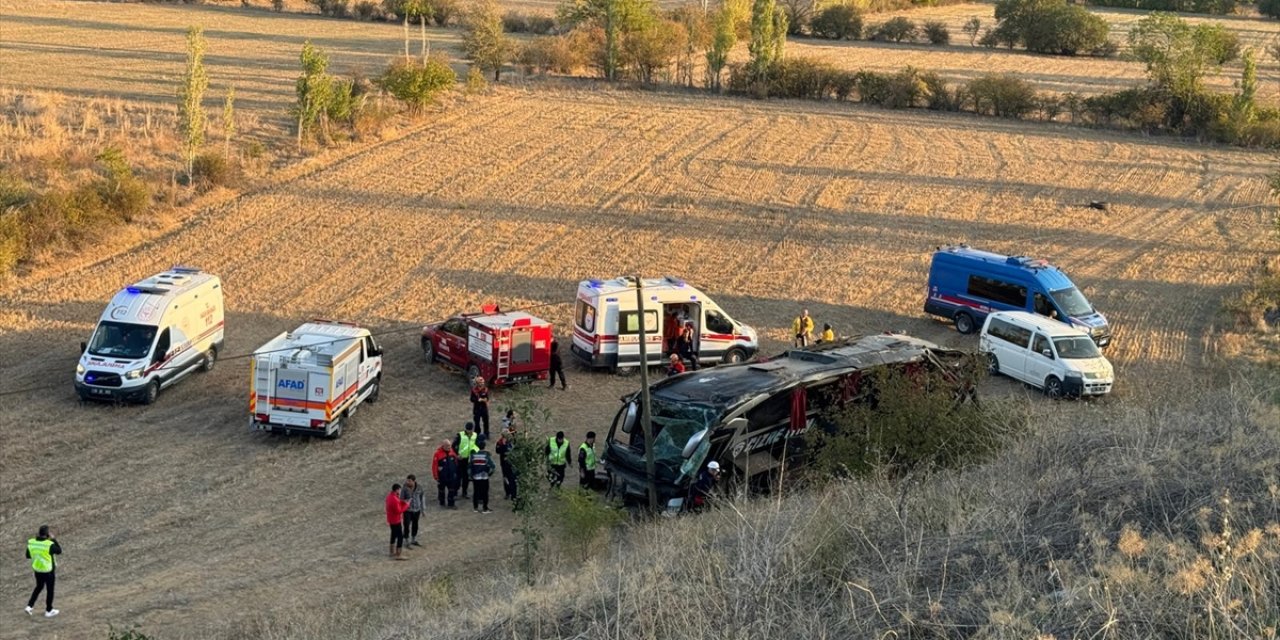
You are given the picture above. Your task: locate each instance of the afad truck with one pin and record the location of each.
(151, 335)
(310, 381)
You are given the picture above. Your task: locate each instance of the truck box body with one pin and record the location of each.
(152, 334)
(503, 348)
(311, 379)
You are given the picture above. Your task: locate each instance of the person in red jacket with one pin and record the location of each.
(395, 517)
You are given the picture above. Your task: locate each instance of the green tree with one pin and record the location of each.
(483, 40)
(615, 19)
(1246, 105)
(417, 83)
(653, 48)
(315, 89)
(723, 37)
(768, 37)
(837, 22)
(1177, 56)
(191, 115)
(971, 29)
(228, 121)
(697, 28)
(406, 9)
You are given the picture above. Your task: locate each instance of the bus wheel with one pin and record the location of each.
(964, 323)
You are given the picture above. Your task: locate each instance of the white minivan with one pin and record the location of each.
(1058, 358)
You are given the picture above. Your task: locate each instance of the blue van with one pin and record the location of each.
(965, 284)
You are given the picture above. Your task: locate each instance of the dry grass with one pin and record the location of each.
(1084, 75)
(193, 523)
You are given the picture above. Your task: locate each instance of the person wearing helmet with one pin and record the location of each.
(705, 485)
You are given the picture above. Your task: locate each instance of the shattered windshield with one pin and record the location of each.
(674, 424)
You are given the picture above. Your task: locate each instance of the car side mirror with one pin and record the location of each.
(1047, 353)
(84, 346)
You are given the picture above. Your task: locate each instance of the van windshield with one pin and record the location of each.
(122, 340)
(1081, 348)
(1072, 302)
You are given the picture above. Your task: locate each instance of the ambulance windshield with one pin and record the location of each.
(122, 340)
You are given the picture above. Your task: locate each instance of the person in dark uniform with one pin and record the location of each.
(480, 406)
(557, 367)
(480, 466)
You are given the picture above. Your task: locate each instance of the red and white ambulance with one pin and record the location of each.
(503, 348)
(606, 319)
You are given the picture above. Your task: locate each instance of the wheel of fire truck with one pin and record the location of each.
(210, 359)
(153, 391)
(427, 351)
(734, 356)
(473, 372)
(377, 389)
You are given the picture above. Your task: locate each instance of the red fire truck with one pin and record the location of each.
(503, 348)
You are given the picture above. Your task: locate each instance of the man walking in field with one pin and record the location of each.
(802, 327)
(557, 458)
(479, 407)
(412, 492)
(557, 367)
(444, 468)
(481, 467)
(395, 520)
(464, 444)
(41, 550)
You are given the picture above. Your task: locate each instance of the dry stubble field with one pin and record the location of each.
(176, 518)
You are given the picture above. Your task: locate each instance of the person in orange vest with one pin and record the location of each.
(396, 506)
(41, 549)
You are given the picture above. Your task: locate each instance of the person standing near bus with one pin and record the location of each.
(802, 327)
(41, 550)
(587, 462)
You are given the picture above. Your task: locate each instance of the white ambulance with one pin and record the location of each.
(151, 335)
(606, 329)
(310, 380)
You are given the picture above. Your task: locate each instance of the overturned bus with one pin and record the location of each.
(752, 417)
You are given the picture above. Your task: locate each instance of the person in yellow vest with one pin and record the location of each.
(587, 462)
(557, 458)
(41, 549)
(465, 444)
(828, 334)
(802, 327)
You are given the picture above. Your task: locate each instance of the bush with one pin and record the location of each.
(516, 22)
(119, 190)
(583, 521)
(897, 30)
(277, 5)
(211, 169)
(13, 241)
(443, 12)
(417, 84)
(802, 78)
(1222, 45)
(368, 10)
(936, 33)
(331, 8)
(941, 97)
(1049, 26)
(1004, 96)
(901, 90)
(1220, 7)
(1269, 8)
(838, 22)
(546, 54)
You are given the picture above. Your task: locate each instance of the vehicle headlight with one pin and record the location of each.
(79, 369)
(135, 374)
(1095, 375)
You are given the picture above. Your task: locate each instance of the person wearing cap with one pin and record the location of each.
(444, 468)
(675, 366)
(41, 550)
(587, 462)
(480, 406)
(557, 458)
(480, 467)
(464, 444)
(706, 483)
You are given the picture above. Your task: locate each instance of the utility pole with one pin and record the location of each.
(644, 401)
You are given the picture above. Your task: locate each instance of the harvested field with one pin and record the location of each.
(177, 518)
(1085, 75)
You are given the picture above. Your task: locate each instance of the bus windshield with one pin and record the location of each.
(1072, 302)
(674, 423)
(122, 340)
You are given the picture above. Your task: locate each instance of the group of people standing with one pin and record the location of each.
(464, 466)
(680, 334)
